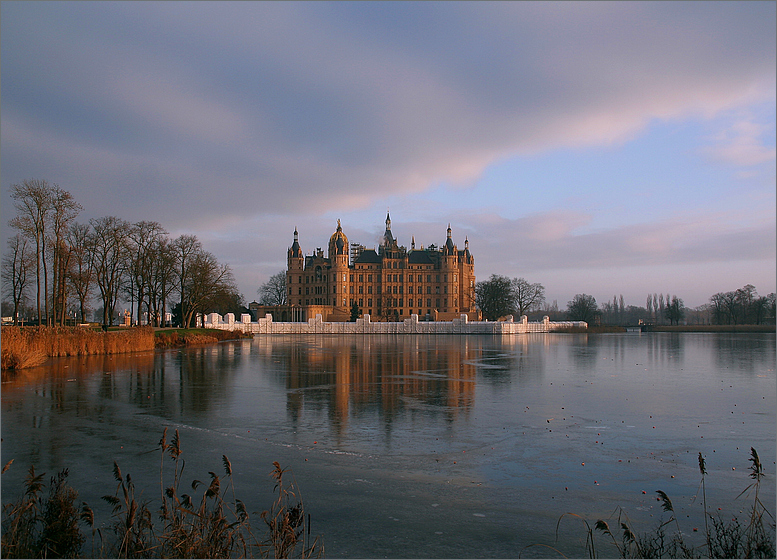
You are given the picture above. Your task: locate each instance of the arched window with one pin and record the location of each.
(318, 274)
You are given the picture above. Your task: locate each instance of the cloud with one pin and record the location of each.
(239, 119)
(743, 144)
(287, 104)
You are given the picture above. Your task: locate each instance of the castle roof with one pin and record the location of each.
(419, 257)
(368, 256)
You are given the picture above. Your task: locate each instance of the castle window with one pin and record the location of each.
(361, 277)
(351, 278)
(369, 289)
(395, 278)
(428, 303)
(307, 290)
(369, 278)
(369, 302)
(361, 289)
(438, 303)
(361, 302)
(400, 278)
(428, 289)
(400, 289)
(445, 289)
(351, 289)
(428, 277)
(410, 289)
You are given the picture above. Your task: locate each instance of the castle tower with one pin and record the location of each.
(295, 265)
(338, 260)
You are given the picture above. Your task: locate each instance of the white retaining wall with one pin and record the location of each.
(363, 325)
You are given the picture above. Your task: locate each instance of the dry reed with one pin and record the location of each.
(210, 525)
(30, 346)
(722, 539)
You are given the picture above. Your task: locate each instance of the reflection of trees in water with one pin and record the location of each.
(354, 376)
(583, 351)
(748, 353)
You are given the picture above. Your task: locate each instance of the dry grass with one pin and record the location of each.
(176, 338)
(203, 521)
(722, 539)
(30, 346)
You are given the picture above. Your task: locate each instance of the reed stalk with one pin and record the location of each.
(25, 347)
(196, 523)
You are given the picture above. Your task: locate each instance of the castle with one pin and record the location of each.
(390, 284)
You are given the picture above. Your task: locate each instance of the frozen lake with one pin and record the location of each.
(420, 446)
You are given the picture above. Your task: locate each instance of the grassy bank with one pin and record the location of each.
(716, 328)
(24, 347)
(600, 329)
(176, 338)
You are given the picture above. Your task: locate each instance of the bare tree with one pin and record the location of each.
(582, 308)
(143, 238)
(81, 272)
(495, 297)
(184, 248)
(110, 258)
(32, 200)
(274, 292)
(16, 266)
(206, 281)
(64, 210)
(162, 275)
(674, 310)
(527, 296)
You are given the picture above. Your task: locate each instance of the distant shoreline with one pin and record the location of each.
(600, 329)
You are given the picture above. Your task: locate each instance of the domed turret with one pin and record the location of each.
(338, 243)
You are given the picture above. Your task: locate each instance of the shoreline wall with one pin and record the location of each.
(364, 325)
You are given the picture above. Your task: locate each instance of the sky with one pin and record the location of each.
(600, 148)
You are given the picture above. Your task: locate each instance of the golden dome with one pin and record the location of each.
(338, 243)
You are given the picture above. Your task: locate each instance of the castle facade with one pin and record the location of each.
(390, 283)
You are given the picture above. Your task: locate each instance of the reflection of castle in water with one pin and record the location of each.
(353, 375)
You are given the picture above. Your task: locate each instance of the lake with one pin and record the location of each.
(420, 446)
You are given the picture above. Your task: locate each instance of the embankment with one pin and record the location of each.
(24, 347)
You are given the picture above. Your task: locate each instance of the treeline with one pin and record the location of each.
(68, 264)
(500, 296)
